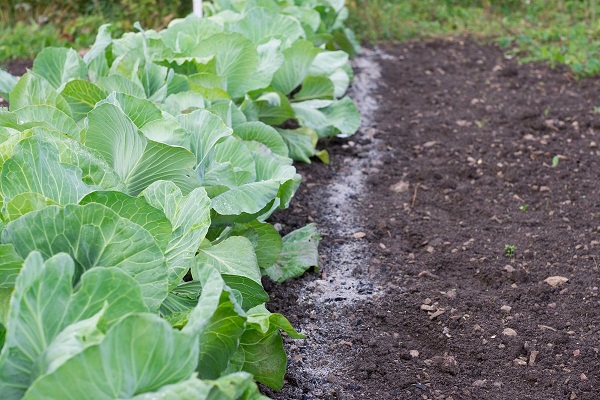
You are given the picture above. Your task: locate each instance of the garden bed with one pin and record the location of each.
(467, 153)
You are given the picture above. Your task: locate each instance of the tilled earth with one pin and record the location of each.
(480, 213)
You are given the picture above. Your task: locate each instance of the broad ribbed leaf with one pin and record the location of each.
(326, 62)
(270, 59)
(228, 112)
(218, 321)
(59, 65)
(95, 236)
(32, 89)
(300, 142)
(120, 84)
(10, 265)
(47, 324)
(309, 113)
(7, 83)
(184, 36)
(299, 253)
(260, 24)
(140, 111)
(95, 171)
(37, 310)
(135, 209)
(274, 108)
(264, 134)
(144, 353)
(237, 62)
(297, 61)
(343, 116)
(249, 198)
(239, 385)
(110, 289)
(341, 82)
(183, 103)
(24, 203)
(95, 58)
(232, 165)
(204, 130)
(35, 167)
(138, 161)
(190, 219)
(262, 346)
(315, 87)
(265, 239)
(233, 256)
(82, 97)
(50, 117)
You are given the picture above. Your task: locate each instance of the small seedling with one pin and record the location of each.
(546, 112)
(524, 207)
(597, 109)
(509, 250)
(555, 161)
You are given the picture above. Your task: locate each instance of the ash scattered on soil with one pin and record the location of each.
(343, 279)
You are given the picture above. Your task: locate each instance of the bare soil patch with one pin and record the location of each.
(457, 163)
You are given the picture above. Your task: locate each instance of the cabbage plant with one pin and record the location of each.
(136, 183)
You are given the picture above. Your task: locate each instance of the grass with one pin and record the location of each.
(28, 27)
(557, 31)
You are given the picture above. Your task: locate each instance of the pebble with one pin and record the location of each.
(414, 353)
(506, 309)
(509, 332)
(437, 314)
(555, 281)
(518, 361)
(399, 187)
(509, 268)
(532, 357)
(480, 382)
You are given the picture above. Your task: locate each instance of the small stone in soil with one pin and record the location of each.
(518, 361)
(532, 357)
(509, 332)
(399, 187)
(555, 281)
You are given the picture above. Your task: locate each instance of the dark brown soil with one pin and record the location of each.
(467, 139)
(18, 67)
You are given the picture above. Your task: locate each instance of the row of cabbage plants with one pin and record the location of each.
(135, 186)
